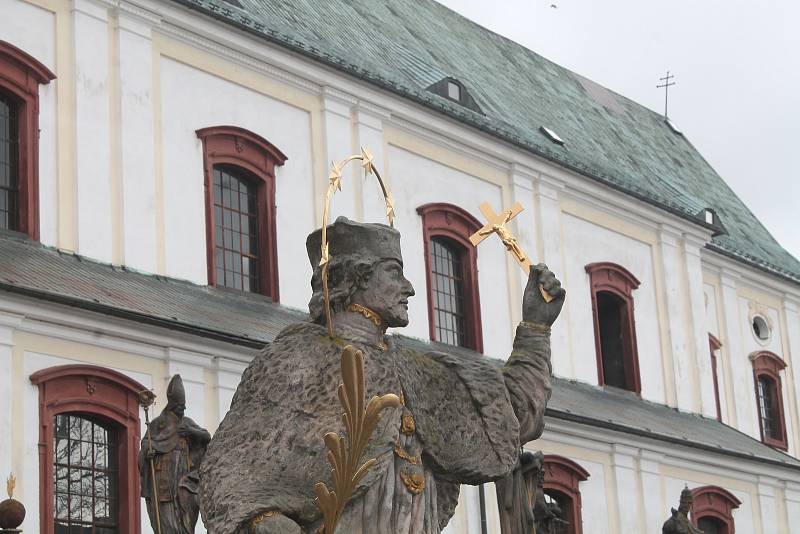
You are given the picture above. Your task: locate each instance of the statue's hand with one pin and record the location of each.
(534, 307)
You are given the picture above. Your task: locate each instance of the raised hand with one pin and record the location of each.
(534, 307)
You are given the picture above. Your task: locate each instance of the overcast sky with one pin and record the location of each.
(736, 65)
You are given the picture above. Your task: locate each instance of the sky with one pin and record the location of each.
(737, 75)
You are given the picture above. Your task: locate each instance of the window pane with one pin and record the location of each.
(237, 223)
(85, 460)
(769, 409)
(9, 172)
(609, 318)
(448, 292)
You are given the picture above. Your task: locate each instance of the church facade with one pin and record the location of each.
(162, 162)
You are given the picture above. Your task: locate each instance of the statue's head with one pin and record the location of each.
(365, 268)
(176, 396)
(686, 500)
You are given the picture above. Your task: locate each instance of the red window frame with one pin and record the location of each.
(768, 364)
(563, 475)
(104, 394)
(237, 147)
(449, 221)
(716, 502)
(20, 78)
(714, 344)
(617, 280)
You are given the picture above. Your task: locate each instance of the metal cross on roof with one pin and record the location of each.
(666, 85)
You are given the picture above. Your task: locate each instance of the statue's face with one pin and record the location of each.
(684, 507)
(179, 409)
(387, 293)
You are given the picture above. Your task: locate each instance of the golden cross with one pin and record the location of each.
(496, 224)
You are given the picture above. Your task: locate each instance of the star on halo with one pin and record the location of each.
(366, 161)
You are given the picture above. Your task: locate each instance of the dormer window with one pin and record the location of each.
(455, 91)
(710, 216)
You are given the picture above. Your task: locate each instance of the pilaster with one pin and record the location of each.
(697, 325)
(338, 136)
(766, 498)
(547, 193)
(652, 490)
(623, 462)
(136, 132)
(8, 324)
(791, 309)
(741, 411)
(92, 161)
(368, 121)
(680, 339)
(191, 367)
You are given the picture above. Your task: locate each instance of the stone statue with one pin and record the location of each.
(679, 522)
(521, 501)
(462, 419)
(173, 448)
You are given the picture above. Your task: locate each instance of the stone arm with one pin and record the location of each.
(528, 370)
(527, 378)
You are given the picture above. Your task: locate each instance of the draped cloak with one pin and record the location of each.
(469, 415)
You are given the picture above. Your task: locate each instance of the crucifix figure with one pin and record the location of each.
(496, 224)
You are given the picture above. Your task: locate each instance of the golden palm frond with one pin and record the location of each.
(344, 454)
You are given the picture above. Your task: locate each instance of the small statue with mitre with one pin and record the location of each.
(169, 459)
(679, 522)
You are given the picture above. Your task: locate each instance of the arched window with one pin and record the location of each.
(89, 436)
(562, 478)
(239, 168)
(614, 326)
(714, 345)
(20, 77)
(712, 510)
(451, 275)
(767, 369)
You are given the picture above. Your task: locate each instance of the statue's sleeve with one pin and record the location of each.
(527, 377)
(464, 415)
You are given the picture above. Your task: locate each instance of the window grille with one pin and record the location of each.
(236, 230)
(85, 473)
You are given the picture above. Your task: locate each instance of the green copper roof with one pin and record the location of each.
(405, 46)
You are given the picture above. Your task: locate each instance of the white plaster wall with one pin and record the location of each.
(423, 181)
(191, 100)
(588, 243)
(32, 29)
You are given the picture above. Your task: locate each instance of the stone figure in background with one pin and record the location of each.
(176, 445)
(521, 500)
(679, 522)
(462, 419)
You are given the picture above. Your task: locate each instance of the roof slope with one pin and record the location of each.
(406, 45)
(28, 268)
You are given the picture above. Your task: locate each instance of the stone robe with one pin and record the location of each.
(469, 417)
(179, 444)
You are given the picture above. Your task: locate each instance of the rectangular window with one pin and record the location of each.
(9, 170)
(236, 230)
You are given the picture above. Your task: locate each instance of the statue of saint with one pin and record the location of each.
(679, 522)
(521, 500)
(461, 421)
(173, 448)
